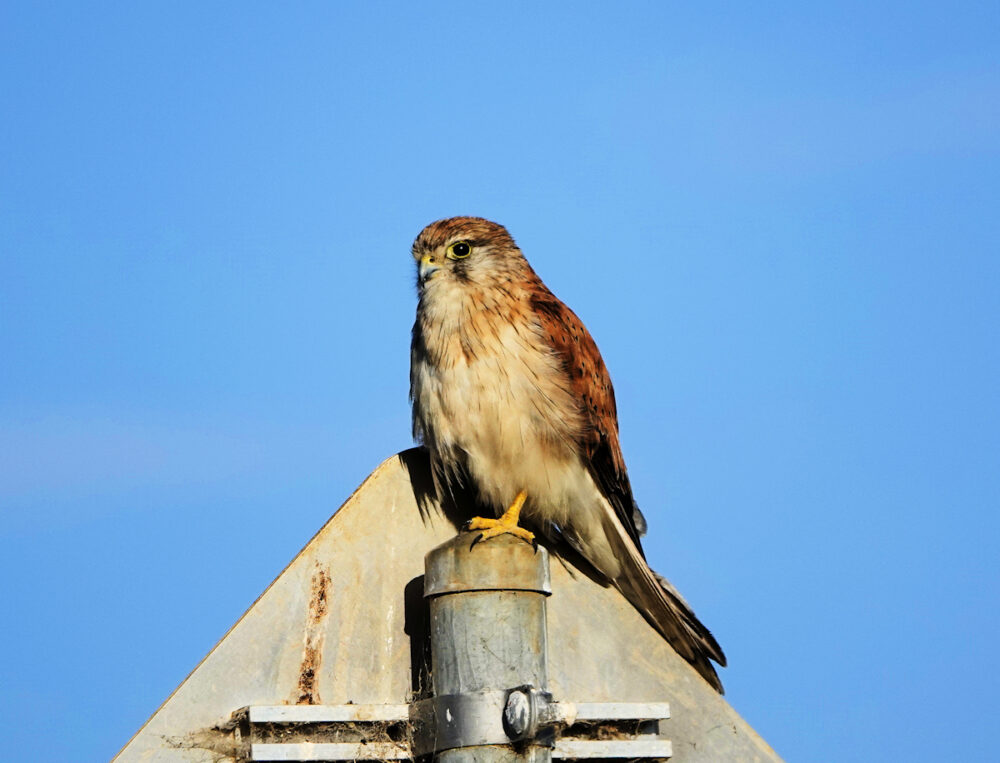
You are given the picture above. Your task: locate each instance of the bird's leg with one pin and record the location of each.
(507, 524)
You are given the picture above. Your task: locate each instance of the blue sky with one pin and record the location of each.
(779, 222)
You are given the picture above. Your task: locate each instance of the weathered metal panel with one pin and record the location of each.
(335, 627)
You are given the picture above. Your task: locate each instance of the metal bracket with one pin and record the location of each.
(400, 732)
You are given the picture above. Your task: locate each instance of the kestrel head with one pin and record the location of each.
(466, 250)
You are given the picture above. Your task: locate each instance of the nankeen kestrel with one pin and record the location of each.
(510, 392)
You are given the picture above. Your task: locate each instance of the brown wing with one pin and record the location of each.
(652, 595)
(591, 385)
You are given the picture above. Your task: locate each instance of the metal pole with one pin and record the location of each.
(488, 637)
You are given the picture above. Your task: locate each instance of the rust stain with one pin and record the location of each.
(313, 637)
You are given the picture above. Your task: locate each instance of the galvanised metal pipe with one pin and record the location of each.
(488, 635)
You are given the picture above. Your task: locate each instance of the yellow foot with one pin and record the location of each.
(506, 525)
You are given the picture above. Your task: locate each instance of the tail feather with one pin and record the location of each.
(662, 605)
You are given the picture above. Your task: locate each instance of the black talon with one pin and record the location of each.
(475, 541)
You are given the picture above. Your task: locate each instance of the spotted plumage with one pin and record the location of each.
(510, 391)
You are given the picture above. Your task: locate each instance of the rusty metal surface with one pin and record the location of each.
(335, 627)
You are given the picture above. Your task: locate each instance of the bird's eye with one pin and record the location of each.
(460, 250)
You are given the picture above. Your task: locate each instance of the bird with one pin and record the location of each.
(510, 393)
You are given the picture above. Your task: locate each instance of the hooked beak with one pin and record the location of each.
(427, 268)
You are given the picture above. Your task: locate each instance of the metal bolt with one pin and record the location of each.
(517, 714)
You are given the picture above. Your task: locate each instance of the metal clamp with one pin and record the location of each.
(460, 720)
(466, 720)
